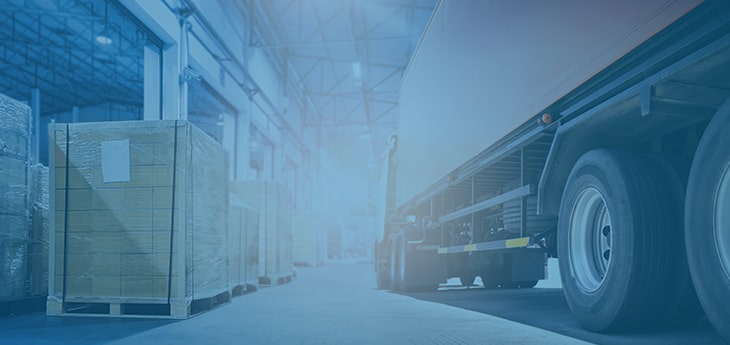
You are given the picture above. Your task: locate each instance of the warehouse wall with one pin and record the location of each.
(247, 78)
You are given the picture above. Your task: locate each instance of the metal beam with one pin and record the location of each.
(491, 202)
(335, 42)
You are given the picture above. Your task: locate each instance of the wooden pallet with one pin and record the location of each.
(276, 280)
(159, 309)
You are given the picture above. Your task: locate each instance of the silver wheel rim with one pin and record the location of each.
(590, 236)
(722, 220)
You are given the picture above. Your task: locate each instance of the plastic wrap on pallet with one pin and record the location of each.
(242, 245)
(136, 210)
(207, 214)
(273, 203)
(38, 246)
(309, 238)
(14, 211)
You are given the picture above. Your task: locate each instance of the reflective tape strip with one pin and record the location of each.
(517, 242)
(485, 246)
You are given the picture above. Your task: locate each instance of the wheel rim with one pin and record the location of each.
(590, 238)
(722, 220)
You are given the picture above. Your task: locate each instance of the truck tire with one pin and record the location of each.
(402, 269)
(707, 221)
(382, 276)
(405, 278)
(627, 279)
(394, 263)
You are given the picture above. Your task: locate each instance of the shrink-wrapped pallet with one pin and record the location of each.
(309, 238)
(15, 201)
(136, 209)
(38, 245)
(272, 202)
(243, 246)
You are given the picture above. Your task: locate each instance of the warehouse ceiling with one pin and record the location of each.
(348, 57)
(77, 53)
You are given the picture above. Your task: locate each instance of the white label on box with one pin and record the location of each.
(115, 160)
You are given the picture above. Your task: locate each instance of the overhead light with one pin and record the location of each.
(104, 37)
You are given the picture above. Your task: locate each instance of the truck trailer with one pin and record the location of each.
(595, 132)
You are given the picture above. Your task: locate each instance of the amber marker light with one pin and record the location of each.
(547, 118)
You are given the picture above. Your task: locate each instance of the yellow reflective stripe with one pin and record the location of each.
(517, 242)
(470, 247)
(443, 250)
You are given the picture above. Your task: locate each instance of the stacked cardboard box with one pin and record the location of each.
(14, 200)
(38, 246)
(135, 215)
(273, 204)
(309, 241)
(243, 247)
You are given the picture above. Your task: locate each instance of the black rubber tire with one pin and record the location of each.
(402, 270)
(646, 282)
(394, 264)
(467, 279)
(711, 278)
(382, 276)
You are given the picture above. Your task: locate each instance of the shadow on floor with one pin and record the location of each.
(37, 328)
(547, 309)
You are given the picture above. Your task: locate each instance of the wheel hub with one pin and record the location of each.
(590, 238)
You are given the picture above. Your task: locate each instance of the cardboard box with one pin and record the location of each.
(15, 238)
(38, 246)
(243, 247)
(136, 209)
(273, 204)
(309, 241)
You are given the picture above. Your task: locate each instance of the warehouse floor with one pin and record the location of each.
(334, 304)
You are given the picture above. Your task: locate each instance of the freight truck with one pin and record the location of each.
(596, 132)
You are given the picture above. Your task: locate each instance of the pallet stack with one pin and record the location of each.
(135, 215)
(38, 246)
(309, 241)
(272, 202)
(243, 246)
(21, 259)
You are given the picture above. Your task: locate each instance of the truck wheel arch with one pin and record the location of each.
(568, 145)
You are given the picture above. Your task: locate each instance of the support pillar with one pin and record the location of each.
(35, 104)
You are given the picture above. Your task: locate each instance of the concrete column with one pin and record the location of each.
(243, 145)
(35, 104)
(152, 84)
(74, 114)
(229, 142)
(183, 68)
(170, 83)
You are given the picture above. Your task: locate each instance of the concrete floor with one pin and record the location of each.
(335, 304)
